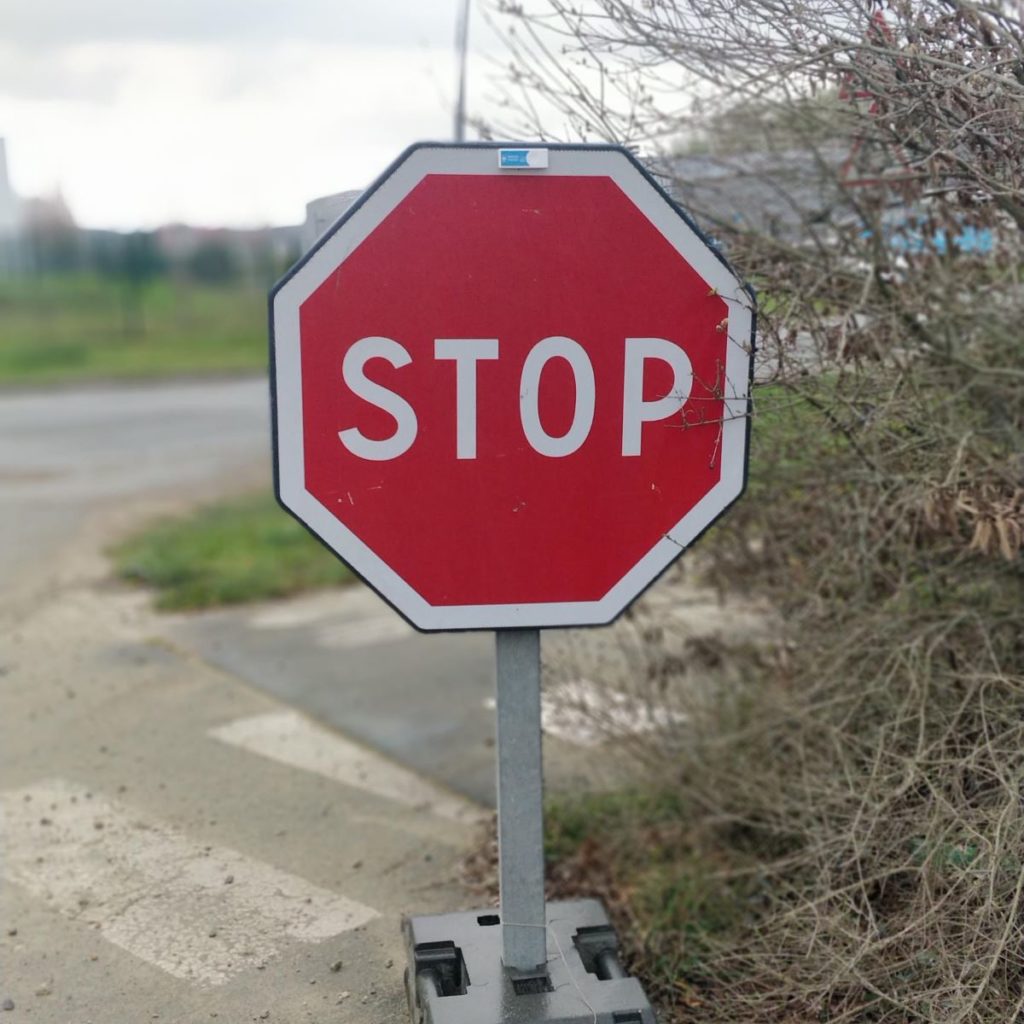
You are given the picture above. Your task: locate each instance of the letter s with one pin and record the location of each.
(406, 426)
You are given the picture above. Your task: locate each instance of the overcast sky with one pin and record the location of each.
(219, 111)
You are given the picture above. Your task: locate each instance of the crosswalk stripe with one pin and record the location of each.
(199, 912)
(291, 739)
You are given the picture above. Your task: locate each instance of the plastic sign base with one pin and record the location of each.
(455, 974)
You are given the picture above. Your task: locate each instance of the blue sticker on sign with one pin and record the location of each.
(514, 158)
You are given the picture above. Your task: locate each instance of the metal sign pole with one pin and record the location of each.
(520, 802)
(463, 968)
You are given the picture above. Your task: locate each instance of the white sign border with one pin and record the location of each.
(351, 229)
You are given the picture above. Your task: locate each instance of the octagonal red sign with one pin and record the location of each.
(511, 385)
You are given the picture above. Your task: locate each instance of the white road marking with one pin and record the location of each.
(155, 892)
(585, 714)
(288, 737)
(343, 619)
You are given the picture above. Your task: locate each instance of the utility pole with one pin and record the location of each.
(461, 51)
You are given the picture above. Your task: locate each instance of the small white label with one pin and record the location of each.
(522, 159)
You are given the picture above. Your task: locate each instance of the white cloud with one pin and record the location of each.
(220, 111)
(224, 137)
(57, 23)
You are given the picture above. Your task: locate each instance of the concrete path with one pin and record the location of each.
(178, 846)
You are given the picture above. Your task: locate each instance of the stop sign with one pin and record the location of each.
(511, 385)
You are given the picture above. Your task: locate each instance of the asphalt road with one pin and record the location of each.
(65, 454)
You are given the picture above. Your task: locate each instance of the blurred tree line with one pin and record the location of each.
(51, 245)
(216, 257)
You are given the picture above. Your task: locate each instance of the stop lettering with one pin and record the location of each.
(466, 352)
(511, 398)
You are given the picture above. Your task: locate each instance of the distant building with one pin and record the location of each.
(783, 193)
(9, 205)
(11, 255)
(256, 254)
(323, 212)
(46, 215)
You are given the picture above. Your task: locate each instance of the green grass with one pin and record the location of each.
(245, 549)
(75, 327)
(572, 821)
(633, 849)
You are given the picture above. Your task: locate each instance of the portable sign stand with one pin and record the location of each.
(516, 978)
(415, 276)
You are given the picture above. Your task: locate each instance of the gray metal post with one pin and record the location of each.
(462, 53)
(520, 800)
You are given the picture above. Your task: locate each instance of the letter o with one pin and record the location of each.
(529, 394)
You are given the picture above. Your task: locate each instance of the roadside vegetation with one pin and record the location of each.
(834, 831)
(232, 552)
(60, 327)
(79, 304)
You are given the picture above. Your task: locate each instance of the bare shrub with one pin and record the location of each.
(854, 791)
